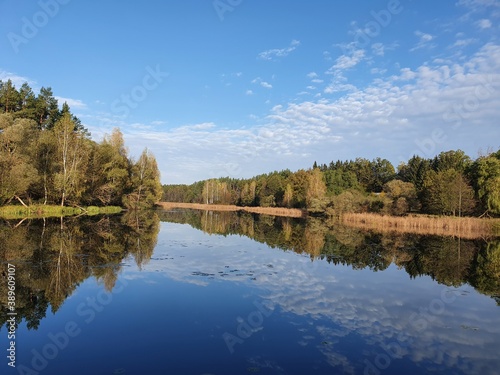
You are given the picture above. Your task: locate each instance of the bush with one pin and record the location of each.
(376, 206)
(400, 207)
(348, 201)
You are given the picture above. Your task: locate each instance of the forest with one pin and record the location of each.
(451, 183)
(47, 157)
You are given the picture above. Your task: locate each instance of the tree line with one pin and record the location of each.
(48, 157)
(451, 183)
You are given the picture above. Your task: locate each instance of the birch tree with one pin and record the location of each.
(71, 156)
(145, 180)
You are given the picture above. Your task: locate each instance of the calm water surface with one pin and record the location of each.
(205, 293)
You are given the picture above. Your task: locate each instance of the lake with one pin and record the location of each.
(193, 292)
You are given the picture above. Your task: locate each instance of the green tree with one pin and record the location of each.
(270, 190)
(46, 164)
(46, 109)
(316, 191)
(9, 97)
(248, 193)
(288, 196)
(339, 180)
(403, 195)
(485, 274)
(456, 160)
(487, 174)
(383, 171)
(27, 103)
(299, 181)
(72, 160)
(17, 173)
(448, 192)
(364, 172)
(145, 182)
(109, 170)
(414, 171)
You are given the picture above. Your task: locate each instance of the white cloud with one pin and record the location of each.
(314, 78)
(424, 41)
(339, 87)
(393, 118)
(201, 126)
(412, 105)
(275, 53)
(475, 4)
(378, 71)
(476, 7)
(16, 79)
(343, 63)
(378, 49)
(262, 83)
(484, 24)
(158, 123)
(249, 92)
(266, 85)
(73, 103)
(348, 61)
(464, 42)
(406, 74)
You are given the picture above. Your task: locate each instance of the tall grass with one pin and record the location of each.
(40, 211)
(465, 227)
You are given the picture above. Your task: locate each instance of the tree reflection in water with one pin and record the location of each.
(53, 259)
(53, 256)
(451, 261)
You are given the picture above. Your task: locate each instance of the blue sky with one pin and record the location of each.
(237, 87)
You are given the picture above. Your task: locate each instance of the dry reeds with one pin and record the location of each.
(275, 211)
(464, 227)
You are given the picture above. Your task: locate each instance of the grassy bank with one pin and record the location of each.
(464, 227)
(275, 211)
(40, 211)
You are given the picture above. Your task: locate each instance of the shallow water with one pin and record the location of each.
(144, 296)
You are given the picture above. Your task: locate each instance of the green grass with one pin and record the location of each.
(41, 211)
(94, 210)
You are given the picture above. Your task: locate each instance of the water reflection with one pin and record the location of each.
(54, 256)
(448, 260)
(363, 321)
(325, 305)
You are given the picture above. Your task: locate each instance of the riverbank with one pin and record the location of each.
(41, 211)
(275, 211)
(464, 227)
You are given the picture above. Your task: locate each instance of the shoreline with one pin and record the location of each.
(274, 211)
